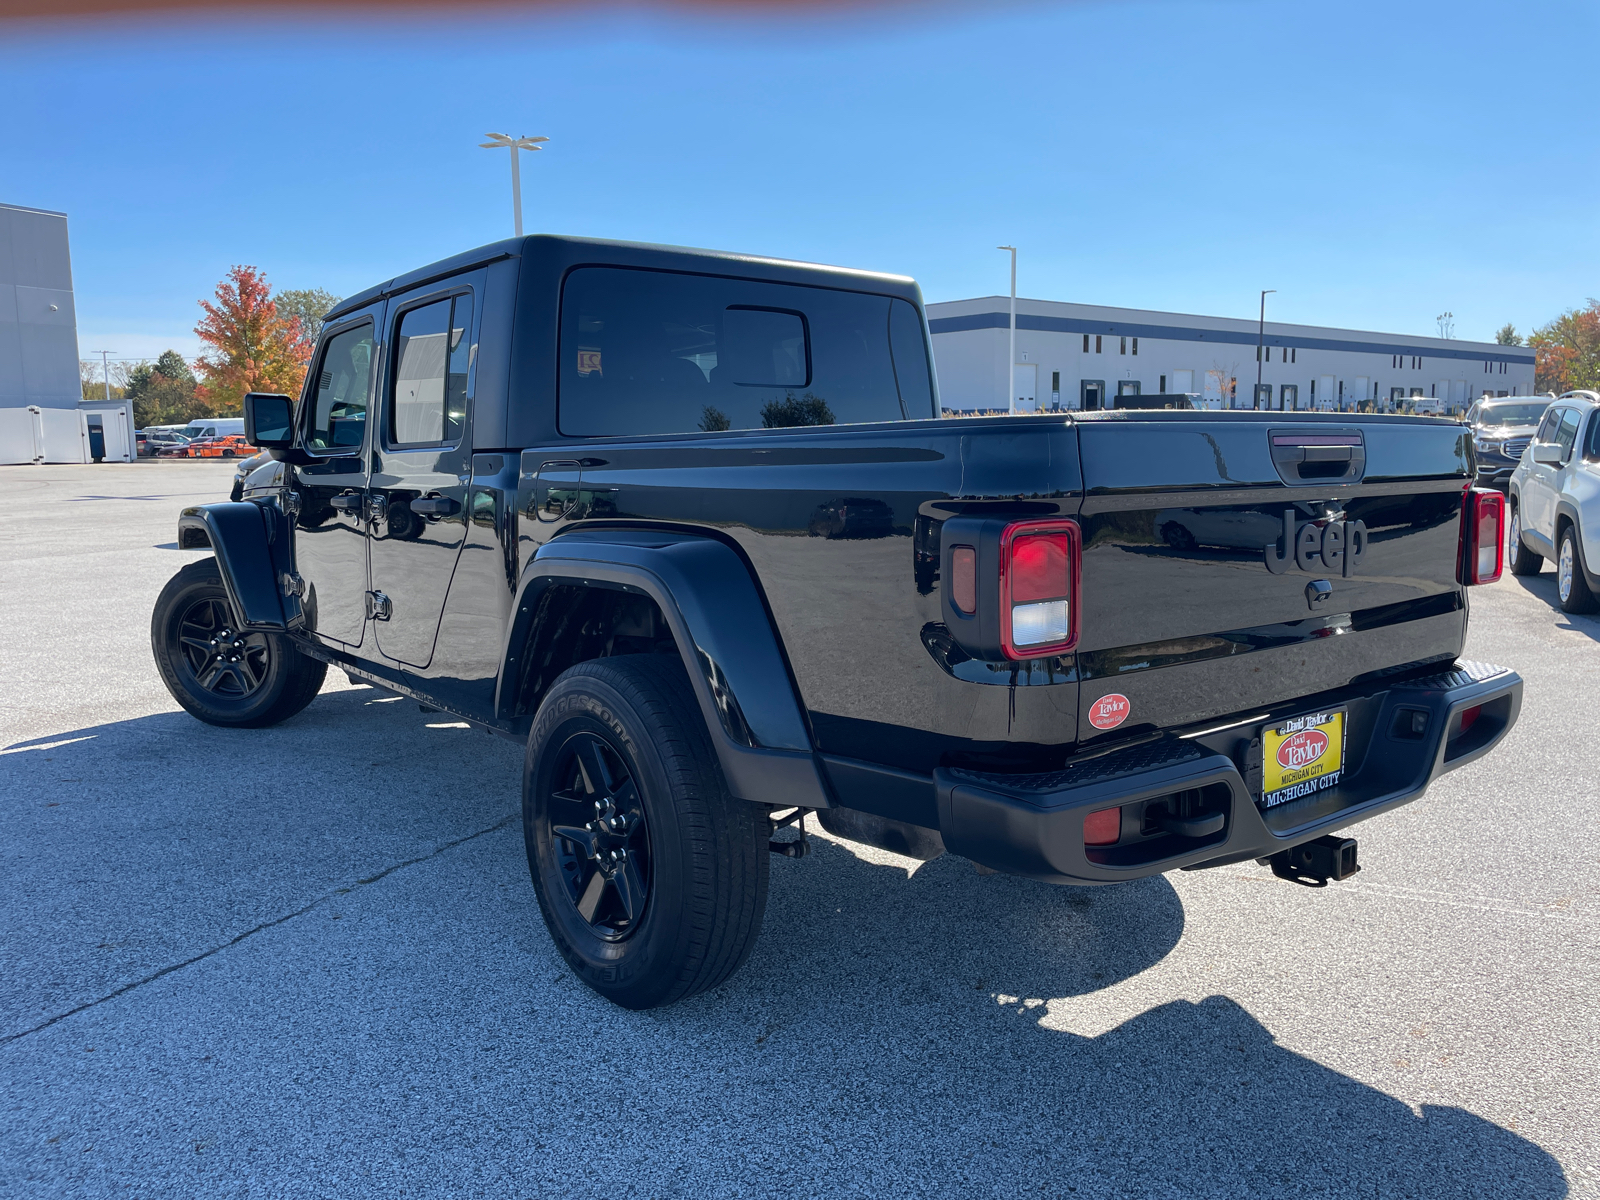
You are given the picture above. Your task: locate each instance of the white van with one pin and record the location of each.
(212, 427)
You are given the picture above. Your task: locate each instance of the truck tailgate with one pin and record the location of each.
(1183, 615)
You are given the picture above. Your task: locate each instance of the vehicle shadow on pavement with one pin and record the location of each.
(941, 1033)
(1543, 587)
(942, 1005)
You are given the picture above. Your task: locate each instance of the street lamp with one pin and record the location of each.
(501, 141)
(1011, 361)
(1261, 338)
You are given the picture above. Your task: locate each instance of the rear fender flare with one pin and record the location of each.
(720, 624)
(251, 544)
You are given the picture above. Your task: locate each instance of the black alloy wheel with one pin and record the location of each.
(221, 674)
(601, 835)
(651, 877)
(221, 659)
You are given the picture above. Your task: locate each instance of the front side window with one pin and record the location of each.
(1547, 427)
(433, 346)
(1567, 433)
(338, 419)
(647, 352)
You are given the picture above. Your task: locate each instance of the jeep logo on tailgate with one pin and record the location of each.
(1329, 546)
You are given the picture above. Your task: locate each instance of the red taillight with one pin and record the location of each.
(1038, 588)
(1483, 536)
(1102, 828)
(964, 578)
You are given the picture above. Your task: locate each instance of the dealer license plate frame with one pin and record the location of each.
(1282, 783)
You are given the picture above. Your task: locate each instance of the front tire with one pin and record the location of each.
(1523, 560)
(1572, 587)
(651, 877)
(221, 674)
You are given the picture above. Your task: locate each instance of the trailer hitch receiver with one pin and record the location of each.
(1314, 863)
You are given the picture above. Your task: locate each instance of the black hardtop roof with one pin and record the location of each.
(561, 252)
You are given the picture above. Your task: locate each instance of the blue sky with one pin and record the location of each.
(1377, 164)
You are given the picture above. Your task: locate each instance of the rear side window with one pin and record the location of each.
(339, 408)
(657, 352)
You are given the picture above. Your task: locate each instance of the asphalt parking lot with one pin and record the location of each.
(307, 961)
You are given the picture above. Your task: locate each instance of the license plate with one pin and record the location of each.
(1303, 755)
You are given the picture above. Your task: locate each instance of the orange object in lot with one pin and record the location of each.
(232, 445)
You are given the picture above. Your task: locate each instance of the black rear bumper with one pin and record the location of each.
(1032, 825)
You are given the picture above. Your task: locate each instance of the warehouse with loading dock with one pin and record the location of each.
(1086, 356)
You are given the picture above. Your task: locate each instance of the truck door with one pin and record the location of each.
(328, 494)
(422, 462)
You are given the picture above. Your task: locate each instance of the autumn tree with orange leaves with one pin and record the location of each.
(1567, 351)
(254, 347)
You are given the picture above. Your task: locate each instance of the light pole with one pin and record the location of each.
(1011, 359)
(501, 141)
(105, 366)
(1261, 338)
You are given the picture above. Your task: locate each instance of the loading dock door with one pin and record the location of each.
(1024, 385)
(1091, 394)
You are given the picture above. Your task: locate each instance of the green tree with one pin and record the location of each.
(165, 392)
(789, 412)
(714, 419)
(310, 305)
(1567, 351)
(1507, 335)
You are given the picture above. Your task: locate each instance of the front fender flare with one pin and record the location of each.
(720, 624)
(251, 543)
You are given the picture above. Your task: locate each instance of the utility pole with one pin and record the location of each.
(105, 366)
(500, 141)
(1261, 339)
(1011, 358)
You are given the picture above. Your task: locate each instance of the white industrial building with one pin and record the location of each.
(42, 414)
(1083, 356)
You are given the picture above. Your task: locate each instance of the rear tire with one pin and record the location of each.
(220, 674)
(657, 888)
(1572, 587)
(1523, 560)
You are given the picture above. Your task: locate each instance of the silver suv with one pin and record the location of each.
(1501, 430)
(1555, 501)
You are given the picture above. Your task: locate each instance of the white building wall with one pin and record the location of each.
(1134, 346)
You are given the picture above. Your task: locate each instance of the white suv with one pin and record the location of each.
(1555, 501)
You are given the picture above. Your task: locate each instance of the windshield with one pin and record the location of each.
(1513, 414)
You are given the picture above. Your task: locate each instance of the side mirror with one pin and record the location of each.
(1548, 454)
(269, 420)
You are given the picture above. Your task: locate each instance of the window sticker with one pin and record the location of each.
(589, 361)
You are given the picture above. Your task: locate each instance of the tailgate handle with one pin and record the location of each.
(1323, 456)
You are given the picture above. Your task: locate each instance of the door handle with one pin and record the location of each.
(435, 506)
(346, 502)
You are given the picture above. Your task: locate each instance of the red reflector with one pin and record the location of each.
(1102, 828)
(1039, 567)
(1468, 717)
(964, 578)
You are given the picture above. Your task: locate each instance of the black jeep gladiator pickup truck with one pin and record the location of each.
(689, 524)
